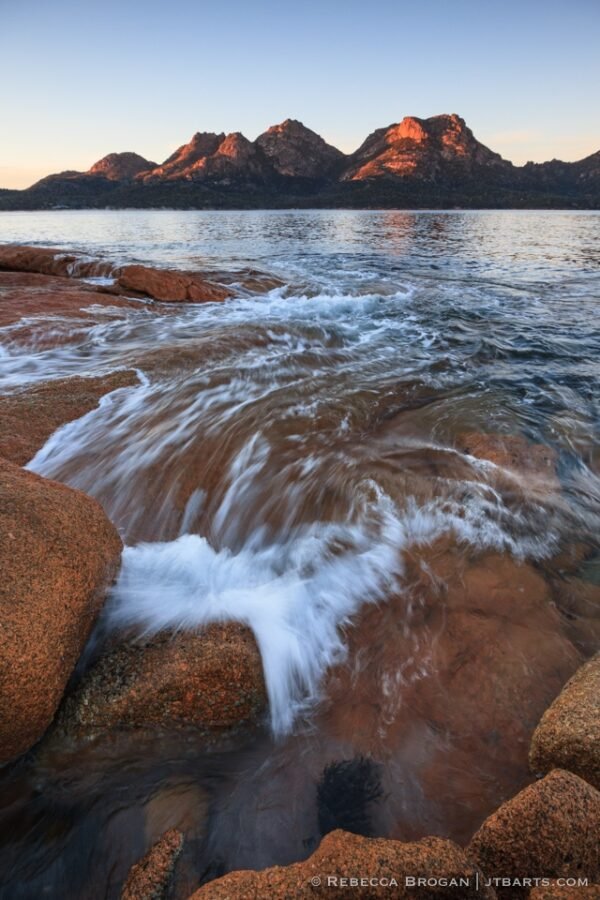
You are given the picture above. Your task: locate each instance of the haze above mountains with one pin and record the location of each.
(417, 162)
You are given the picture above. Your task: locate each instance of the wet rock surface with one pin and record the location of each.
(52, 261)
(169, 286)
(29, 296)
(452, 675)
(151, 878)
(342, 855)
(568, 735)
(210, 680)
(550, 829)
(29, 416)
(46, 274)
(535, 462)
(58, 555)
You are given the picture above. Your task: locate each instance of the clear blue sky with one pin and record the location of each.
(82, 79)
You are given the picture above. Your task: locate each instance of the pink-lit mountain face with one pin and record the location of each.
(297, 152)
(121, 166)
(416, 162)
(420, 148)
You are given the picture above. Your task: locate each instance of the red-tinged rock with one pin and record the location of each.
(236, 160)
(121, 166)
(211, 681)
(58, 555)
(423, 149)
(218, 158)
(29, 416)
(512, 452)
(568, 735)
(151, 878)
(297, 152)
(33, 296)
(52, 261)
(579, 603)
(170, 286)
(180, 162)
(549, 830)
(158, 284)
(39, 280)
(389, 869)
(455, 673)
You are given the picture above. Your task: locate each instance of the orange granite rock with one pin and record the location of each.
(550, 829)
(30, 415)
(58, 554)
(511, 452)
(210, 680)
(341, 856)
(151, 877)
(170, 286)
(569, 732)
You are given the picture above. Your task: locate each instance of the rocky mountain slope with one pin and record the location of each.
(414, 163)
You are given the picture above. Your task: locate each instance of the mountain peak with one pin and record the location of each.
(121, 166)
(435, 160)
(298, 152)
(288, 125)
(420, 148)
(179, 163)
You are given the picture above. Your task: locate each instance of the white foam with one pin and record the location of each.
(100, 280)
(294, 595)
(294, 592)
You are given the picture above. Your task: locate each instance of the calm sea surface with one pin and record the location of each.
(280, 459)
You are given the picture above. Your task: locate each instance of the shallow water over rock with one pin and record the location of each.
(376, 467)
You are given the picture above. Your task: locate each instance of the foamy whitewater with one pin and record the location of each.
(281, 452)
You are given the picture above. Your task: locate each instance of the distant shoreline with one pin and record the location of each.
(304, 209)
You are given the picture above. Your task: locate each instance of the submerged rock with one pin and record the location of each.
(342, 856)
(579, 603)
(211, 681)
(29, 416)
(569, 732)
(455, 672)
(179, 803)
(550, 829)
(58, 554)
(511, 451)
(152, 876)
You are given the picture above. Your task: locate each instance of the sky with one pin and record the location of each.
(83, 79)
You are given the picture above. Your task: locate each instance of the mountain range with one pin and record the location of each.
(434, 162)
